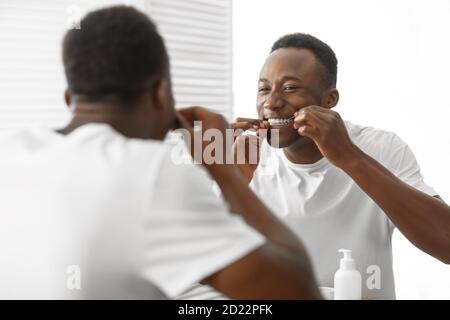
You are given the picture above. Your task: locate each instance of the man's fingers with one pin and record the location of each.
(328, 115)
(242, 125)
(264, 124)
(182, 122)
(251, 120)
(307, 118)
(246, 124)
(249, 124)
(322, 113)
(192, 114)
(308, 131)
(308, 123)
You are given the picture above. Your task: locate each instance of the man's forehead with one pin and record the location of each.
(289, 61)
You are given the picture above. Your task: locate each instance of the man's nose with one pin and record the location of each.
(273, 102)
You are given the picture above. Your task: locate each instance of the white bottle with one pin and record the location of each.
(347, 280)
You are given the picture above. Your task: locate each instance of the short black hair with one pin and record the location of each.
(116, 54)
(320, 49)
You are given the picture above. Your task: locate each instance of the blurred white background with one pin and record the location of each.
(393, 73)
(32, 83)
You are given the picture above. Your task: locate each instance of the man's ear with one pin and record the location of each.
(162, 94)
(331, 99)
(67, 98)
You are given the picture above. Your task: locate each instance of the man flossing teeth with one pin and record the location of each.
(280, 122)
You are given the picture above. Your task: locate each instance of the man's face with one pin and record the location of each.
(290, 80)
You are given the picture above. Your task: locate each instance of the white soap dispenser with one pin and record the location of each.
(347, 280)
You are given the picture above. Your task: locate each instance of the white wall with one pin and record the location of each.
(32, 83)
(394, 73)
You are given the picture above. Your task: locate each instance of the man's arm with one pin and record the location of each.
(423, 219)
(269, 272)
(279, 269)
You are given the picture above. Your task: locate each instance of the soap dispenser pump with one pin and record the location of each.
(347, 280)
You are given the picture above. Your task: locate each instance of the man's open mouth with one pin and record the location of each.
(277, 122)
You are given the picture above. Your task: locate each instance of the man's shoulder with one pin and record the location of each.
(372, 138)
(358, 131)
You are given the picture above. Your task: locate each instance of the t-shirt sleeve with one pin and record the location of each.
(397, 157)
(191, 233)
(400, 160)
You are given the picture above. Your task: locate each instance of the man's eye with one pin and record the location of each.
(263, 89)
(290, 88)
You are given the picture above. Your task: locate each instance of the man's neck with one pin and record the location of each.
(80, 120)
(129, 124)
(303, 151)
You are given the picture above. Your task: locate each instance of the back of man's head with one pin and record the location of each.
(116, 55)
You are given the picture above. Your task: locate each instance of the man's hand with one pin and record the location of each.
(405, 206)
(245, 145)
(326, 128)
(209, 120)
(283, 252)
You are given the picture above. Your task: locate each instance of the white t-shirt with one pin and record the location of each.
(328, 210)
(96, 215)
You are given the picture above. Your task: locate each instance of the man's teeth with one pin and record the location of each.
(280, 122)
